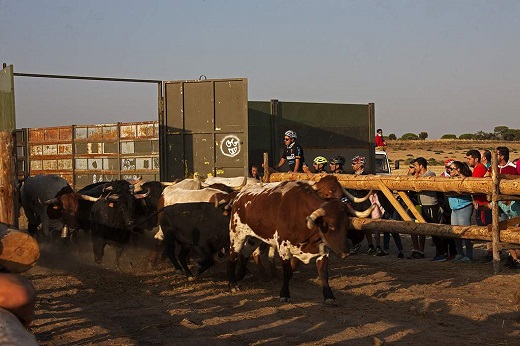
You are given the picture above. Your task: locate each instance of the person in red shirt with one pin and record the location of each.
(504, 165)
(507, 167)
(380, 140)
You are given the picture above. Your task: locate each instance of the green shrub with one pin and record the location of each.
(449, 136)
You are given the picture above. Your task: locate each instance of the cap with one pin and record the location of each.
(448, 162)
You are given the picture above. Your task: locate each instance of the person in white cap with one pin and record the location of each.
(292, 153)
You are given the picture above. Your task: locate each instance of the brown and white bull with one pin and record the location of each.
(295, 219)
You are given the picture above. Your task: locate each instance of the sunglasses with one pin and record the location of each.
(453, 168)
(286, 139)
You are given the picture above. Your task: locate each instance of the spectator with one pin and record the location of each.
(429, 209)
(461, 210)
(358, 166)
(504, 165)
(389, 212)
(486, 158)
(482, 210)
(448, 244)
(292, 153)
(444, 247)
(253, 172)
(509, 208)
(318, 164)
(380, 140)
(336, 164)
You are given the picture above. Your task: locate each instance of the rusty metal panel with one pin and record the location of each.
(199, 107)
(36, 150)
(95, 132)
(127, 147)
(65, 149)
(36, 135)
(128, 131)
(96, 152)
(110, 132)
(35, 165)
(110, 148)
(50, 149)
(49, 165)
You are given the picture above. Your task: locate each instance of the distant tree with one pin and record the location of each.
(449, 136)
(511, 135)
(501, 132)
(467, 136)
(392, 137)
(423, 135)
(481, 135)
(409, 136)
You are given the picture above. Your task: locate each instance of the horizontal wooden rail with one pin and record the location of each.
(508, 184)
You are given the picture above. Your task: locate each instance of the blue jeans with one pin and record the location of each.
(462, 217)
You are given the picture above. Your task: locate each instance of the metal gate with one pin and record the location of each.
(205, 128)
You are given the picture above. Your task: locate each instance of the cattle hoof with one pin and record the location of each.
(191, 278)
(285, 300)
(331, 302)
(234, 289)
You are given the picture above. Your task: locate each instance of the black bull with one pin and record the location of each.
(201, 229)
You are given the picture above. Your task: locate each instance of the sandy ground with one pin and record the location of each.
(380, 300)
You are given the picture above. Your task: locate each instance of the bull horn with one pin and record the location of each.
(311, 219)
(49, 201)
(167, 183)
(356, 199)
(360, 214)
(142, 195)
(244, 183)
(89, 198)
(113, 197)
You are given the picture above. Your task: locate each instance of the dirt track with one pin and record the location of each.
(380, 299)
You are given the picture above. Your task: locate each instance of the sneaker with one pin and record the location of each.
(465, 260)
(380, 252)
(355, 248)
(458, 258)
(400, 255)
(416, 254)
(438, 258)
(370, 251)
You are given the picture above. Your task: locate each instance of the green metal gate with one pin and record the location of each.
(205, 128)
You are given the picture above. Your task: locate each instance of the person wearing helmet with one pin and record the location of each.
(336, 164)
(358, 164)
(319, 164)
(292, 153)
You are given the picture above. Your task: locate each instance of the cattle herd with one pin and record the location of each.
(201, 221)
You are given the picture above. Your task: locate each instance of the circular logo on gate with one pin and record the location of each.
(230, 146)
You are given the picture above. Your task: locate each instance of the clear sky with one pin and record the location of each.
(435, 66)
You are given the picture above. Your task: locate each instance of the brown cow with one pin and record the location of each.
(292, 217)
